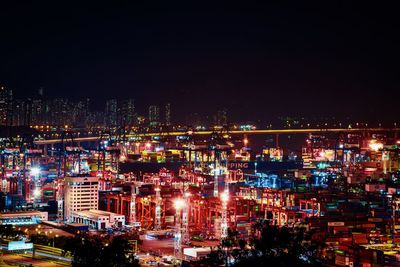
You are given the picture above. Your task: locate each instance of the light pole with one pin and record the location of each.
(157, 225)
(185, 218)
(178, 204)
(224, 215)
(56, 236)
(224, 201)
(35, 174)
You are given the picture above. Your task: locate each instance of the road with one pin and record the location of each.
(11, 259)
(248, 132)
(43, 254)
(161, 247)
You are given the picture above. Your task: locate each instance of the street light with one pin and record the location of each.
(35, 172)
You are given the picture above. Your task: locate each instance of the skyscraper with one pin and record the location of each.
(95, 119)
(127, 112)
(80, 113)
(222, 117)
(111, 113)
(37, 112)
(60, 112)
(21, 113)
(168, 114)
(5, 106)
(154, 115)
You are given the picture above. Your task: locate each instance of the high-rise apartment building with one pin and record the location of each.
(127, 112)
(37, 112)
(168, 114)
(154, 115)
(80, 193)
(80, 114)
(111, 113)
(222, 117)
(21, 113)
(60, 112)
(5, 106)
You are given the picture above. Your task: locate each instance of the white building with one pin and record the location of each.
(196, 253)
(98, 219)
(23, 217)
(80, 193)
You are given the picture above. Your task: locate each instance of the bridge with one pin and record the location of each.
(232, 132)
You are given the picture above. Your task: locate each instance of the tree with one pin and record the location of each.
(40, 239)
(10, 232)
(118, 253)
(86, 250)
(268, 246)
(95, 251)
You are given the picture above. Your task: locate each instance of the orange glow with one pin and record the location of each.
(179, 203)
(375, 146)
(224, 197)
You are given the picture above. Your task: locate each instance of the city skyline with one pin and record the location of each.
(43, 111)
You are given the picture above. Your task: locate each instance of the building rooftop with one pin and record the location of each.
(81, 179)
(96, 213)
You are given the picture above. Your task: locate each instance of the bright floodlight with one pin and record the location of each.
(245, 141)
(179, 203)
(224, 197)
(375, 146)
(36, 193)
(35, 171)
(148, 145)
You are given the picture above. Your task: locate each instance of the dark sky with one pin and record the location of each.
(260, 62)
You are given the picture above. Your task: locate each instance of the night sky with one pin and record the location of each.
(259, 62)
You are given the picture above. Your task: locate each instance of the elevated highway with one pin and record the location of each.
(232, 132)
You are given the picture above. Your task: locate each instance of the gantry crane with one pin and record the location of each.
(219, 145)
(134, 192)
